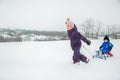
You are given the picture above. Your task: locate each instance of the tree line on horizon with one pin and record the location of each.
(94, 29)
(89, 28)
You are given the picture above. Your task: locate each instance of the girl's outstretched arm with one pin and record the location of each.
(84, 39)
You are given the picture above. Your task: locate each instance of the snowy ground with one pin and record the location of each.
(53, 61)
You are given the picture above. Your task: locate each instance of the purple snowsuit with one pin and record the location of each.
(75, 39)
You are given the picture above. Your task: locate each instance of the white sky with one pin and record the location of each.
(51, 14)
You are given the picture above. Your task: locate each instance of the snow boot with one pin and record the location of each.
(84, 59)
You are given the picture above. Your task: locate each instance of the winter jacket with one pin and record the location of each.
(106, 47)
(76, 37)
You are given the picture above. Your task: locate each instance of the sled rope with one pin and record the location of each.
(86, 49)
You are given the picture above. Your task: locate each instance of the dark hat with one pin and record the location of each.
(106, 38)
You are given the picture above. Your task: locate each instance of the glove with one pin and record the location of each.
(100, 47)
(88, 42)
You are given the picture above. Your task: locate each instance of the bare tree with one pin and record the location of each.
(88, 27)
(108, 29)
(112, 30)
(98, 28)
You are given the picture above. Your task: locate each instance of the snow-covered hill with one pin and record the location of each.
(52, 60)
(19, 35)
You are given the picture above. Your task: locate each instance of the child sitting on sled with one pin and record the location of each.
(106, 47)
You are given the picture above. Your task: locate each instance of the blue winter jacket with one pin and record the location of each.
(106, 47)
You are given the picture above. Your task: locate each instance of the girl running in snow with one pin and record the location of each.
(75, 39)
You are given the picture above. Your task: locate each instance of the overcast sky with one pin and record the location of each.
(51, 14)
